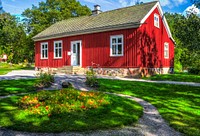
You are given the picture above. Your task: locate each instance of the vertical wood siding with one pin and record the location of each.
(143, 47)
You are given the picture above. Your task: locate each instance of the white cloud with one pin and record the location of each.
(124, 3)
(165, 2)
(192, 9)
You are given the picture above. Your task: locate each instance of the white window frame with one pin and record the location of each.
(166, 50)
(55, 42)
(44, 49)
(156, 22)
(111, 44)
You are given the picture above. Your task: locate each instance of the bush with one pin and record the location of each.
(91, 79)
(45, 79)
(195, 71)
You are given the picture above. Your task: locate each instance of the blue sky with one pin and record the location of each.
(16, 7)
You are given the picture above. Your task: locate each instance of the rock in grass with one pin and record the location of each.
(66, 84)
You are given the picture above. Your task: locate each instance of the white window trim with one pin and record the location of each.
(157, 16)
(42, 49)
(116, 36)
(166, 57)
(61, 49)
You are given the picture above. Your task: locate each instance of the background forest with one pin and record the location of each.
(16, 35)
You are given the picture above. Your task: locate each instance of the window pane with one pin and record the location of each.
(46, 53)
(60, 45)
(119, 40)
(46, 46)
(42, 53)
(60, 52)
(114, 49)
(120, 49)
(114, 40)
(166, 47)
(56, 52)
(74, 48)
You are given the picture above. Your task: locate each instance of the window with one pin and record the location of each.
(116, 45)
(166, 50)
(156, 20)
(58, 49)
(44, 50)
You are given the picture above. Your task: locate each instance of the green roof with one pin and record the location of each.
(105, 21)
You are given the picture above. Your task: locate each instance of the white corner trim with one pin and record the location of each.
(157, 5)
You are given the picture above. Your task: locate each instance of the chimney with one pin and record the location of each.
(97, 10)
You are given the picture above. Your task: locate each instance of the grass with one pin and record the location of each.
(179, 105)
(17, 86)
(6, 68)
(67, 110)
(182, 77)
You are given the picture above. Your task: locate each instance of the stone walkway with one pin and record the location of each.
(150, 124)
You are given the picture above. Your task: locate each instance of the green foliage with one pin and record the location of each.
(67, 110)
(195, 71)
(177, 104)
(186, 32)
(13, 40)
(91, 79)
(16, 37)
(51, 11)
(45, 79)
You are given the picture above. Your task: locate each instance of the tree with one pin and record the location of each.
(50, 12)
(13, 39)
(186, 32)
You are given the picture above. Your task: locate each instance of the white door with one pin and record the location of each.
(76, 53)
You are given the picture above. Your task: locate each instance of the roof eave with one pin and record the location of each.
(89, 31)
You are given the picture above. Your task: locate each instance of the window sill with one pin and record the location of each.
(44, 58)
(116, 55)
(57, 58)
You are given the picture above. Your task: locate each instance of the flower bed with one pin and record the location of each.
(67, 110)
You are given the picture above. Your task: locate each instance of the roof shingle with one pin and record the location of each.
(128, 16)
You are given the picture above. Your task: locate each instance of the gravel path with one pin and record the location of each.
(150, 124)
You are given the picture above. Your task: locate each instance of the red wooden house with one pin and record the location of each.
(122, 41)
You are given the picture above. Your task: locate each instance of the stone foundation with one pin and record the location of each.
(132, 72)
(122, 72)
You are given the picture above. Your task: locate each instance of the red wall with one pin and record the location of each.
(151, 44)
(143, 47)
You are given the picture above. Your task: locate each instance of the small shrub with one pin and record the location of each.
(45, 79)
(91, 79)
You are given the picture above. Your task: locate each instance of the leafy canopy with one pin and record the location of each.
(50, 12)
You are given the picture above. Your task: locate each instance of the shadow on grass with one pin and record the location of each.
(179, 105)
(17, 86)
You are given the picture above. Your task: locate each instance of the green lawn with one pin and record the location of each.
(5, 68)
(178, 104)
(182, 77)
(16, 86)
(67, 110)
